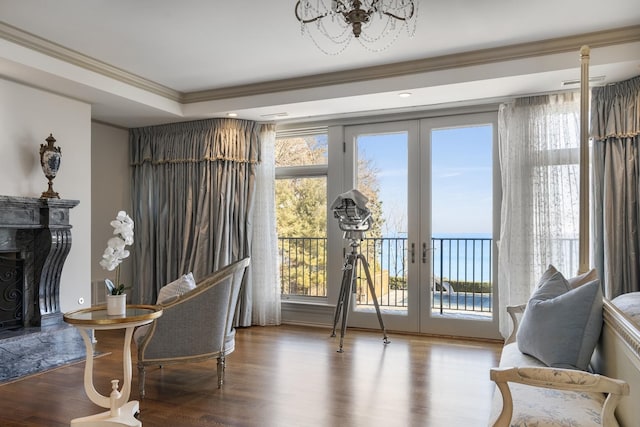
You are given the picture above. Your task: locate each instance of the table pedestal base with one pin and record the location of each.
(125, 419)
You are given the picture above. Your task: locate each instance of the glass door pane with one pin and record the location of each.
(462, 214)
(382, 177)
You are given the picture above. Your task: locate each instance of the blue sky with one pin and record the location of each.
(461, 178)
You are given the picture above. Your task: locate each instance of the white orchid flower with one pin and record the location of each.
(123, 226)
(116, 251)
(109, 263)
(116, 243)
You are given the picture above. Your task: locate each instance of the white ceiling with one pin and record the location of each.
(146, 62)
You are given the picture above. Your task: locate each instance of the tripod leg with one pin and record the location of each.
(372, 290)
(350, 274)
(344, 293)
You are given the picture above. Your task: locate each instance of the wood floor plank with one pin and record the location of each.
(283, 376)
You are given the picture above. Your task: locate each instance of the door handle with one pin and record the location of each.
(413, 253)
(424, 253)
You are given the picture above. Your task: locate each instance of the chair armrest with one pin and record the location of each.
(514, 311)
(559, 379)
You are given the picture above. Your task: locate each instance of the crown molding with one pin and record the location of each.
(465, 59)
(54, 50)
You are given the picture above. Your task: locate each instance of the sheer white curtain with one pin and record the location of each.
(264, 254)
(539, 140)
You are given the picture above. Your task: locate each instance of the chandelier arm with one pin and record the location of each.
(307, 21)
(341, 7)
(374, 7)
(400, 18)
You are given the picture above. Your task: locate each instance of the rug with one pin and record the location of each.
(35, 352)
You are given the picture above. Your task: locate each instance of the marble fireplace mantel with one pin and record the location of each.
(36, 233)
(39, 231)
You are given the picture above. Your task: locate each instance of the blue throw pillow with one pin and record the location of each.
(561, 325)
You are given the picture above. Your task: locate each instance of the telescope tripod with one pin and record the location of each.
(347, 288)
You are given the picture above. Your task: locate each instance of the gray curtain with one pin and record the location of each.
(615, 129)
(192, 197)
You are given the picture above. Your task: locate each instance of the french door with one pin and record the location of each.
(431, 186)
(382, 161)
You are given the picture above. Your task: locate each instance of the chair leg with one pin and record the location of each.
(221, 365)
(141, 378)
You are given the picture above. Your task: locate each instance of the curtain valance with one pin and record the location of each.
(208, 140)
(548, 101)
(615, 111)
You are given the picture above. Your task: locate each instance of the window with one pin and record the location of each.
(301, 206)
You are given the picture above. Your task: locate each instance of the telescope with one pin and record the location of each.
(354, 219)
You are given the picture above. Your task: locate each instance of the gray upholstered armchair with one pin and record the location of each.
(195, 326)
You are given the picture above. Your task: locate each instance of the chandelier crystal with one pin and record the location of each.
(375, 24)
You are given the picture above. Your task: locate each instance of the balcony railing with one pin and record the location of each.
(303, 268)
(462, 274)
(461, 278)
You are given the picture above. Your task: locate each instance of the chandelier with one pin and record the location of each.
(375, 24)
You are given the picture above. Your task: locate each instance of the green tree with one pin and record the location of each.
(301, 206)
(301, 218)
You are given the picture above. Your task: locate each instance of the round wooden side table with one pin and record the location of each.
(121, 412)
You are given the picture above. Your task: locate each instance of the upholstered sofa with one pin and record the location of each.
(617, 354)
(558, 387)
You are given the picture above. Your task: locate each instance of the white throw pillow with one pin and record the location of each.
(176, 288)
(166, 294)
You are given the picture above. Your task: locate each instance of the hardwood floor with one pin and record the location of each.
(283, 376)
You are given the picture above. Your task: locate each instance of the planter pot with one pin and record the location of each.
(117, 305)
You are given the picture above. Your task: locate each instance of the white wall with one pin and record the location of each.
(110, 186)
(27, 117)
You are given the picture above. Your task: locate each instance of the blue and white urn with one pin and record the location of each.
(50, 157)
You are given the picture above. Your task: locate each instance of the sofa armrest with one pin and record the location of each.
(514, 311)
(559, 379)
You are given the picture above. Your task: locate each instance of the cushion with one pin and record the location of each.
(551, 271)
(560, 325)
(176, 288)
(541, 407)
(583, 278)
(167, 294)
(574, 282)
(629, 304)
